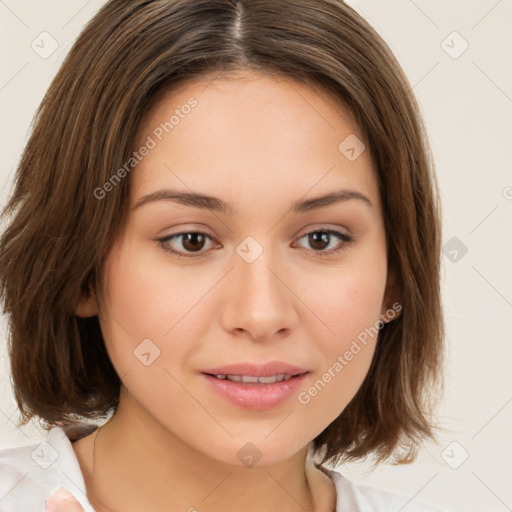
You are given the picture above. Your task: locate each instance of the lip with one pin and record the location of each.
(257, 370)
(256, 396)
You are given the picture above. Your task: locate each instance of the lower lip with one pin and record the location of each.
(255, 396)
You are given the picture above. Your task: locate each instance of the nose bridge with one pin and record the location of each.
(260, 302)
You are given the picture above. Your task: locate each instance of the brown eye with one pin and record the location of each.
(190, 243)
(321, 239)
(193, 241)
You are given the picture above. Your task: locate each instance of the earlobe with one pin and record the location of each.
(87, 306)
(392, 303)
(390, 313)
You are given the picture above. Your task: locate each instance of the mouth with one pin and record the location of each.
(254, 379)
(255, 392)
(252, 371)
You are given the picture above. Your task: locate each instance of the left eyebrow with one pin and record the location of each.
(328, 199)
(218, 205)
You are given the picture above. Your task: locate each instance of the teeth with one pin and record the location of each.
(252, 379)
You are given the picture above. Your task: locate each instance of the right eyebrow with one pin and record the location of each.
(188, 199)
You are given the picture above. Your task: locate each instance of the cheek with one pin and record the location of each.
(345, 302)
(146, 299)
(349, 311)
(152, 317)
(137, 310)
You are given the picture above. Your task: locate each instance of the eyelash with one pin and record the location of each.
(346, 242)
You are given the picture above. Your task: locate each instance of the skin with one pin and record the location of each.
(259, 143)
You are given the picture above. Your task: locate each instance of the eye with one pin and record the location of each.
(191, 241)
(322, 238)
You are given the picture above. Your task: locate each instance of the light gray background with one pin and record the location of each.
(467, 104)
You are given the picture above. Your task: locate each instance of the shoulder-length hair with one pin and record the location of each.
(58, 232)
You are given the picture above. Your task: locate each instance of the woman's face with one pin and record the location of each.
(263, 273)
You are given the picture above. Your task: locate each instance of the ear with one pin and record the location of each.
(392, 302)
(87, 305)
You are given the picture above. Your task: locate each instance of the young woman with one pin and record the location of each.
(224, 239)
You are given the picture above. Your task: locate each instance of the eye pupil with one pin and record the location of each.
(319, 237)
(193, 238)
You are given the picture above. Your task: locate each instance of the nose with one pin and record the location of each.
(260, 303)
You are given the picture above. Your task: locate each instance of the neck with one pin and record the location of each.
(133, 463)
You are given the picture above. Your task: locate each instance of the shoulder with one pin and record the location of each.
(357, 497)
(30, 474)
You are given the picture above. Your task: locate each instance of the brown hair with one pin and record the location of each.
(59, 233)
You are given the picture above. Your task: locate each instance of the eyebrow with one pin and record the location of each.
(215, 204)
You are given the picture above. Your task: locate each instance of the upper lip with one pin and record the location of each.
(257, 370)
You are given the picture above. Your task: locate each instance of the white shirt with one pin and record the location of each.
(30, 474)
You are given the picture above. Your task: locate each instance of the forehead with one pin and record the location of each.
(253, 132)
